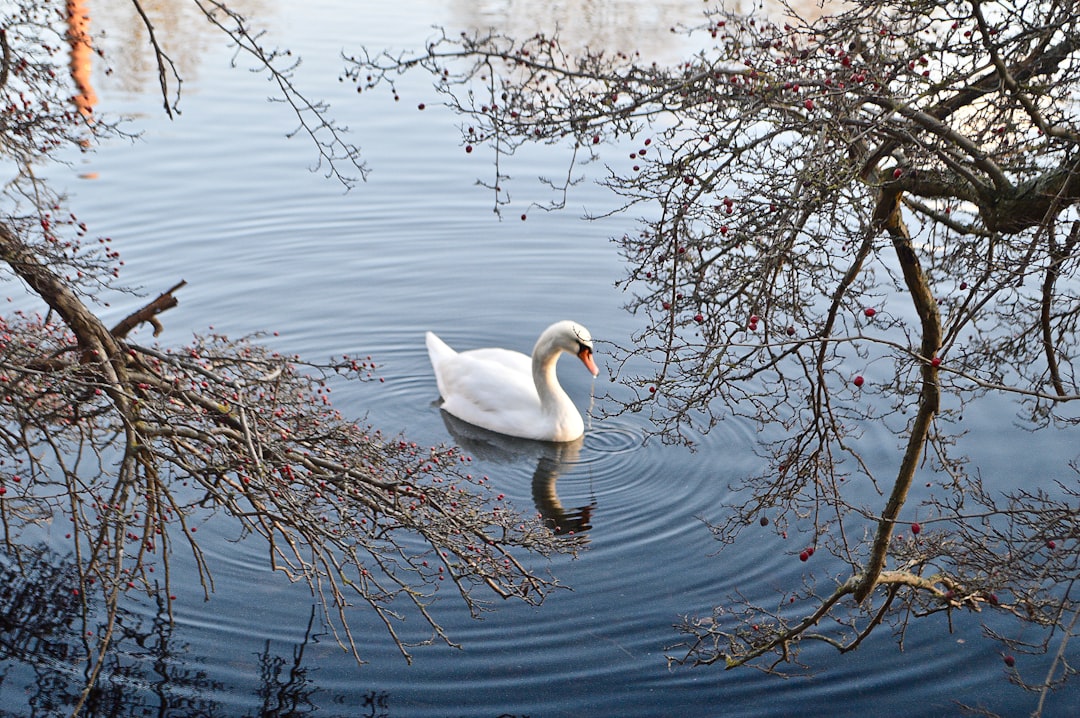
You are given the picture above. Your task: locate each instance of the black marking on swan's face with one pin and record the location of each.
(583, 339)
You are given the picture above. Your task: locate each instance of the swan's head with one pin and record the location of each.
(573, 338)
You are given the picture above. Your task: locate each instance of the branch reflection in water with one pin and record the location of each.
(43, 657)
(552, 460)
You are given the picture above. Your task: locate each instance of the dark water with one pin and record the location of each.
(221, 199)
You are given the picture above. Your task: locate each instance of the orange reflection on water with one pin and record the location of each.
(78, 17)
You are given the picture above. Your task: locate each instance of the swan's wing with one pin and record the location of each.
(475, 372)
(492, 379)
(491, 388)
(513, 361)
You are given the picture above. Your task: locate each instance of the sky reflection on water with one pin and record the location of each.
(220, 198)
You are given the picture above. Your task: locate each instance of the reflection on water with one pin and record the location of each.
(273, 249)
(552, 460)
(147, 671)
(38, 611)
(611, 25)
(81, 56)
(180, 28)
(614, 25)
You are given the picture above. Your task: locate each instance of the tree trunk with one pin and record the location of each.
(929, 394)
(95, 341)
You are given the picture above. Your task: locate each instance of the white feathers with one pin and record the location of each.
(508, 392)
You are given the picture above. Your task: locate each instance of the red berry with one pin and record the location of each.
(804, 556)
(858, 381)
(1051, 545)
(753, 319)
(936, 361)
(791, 331)
(596, 139)
(1009, 660)
(809, 104)
(699, 318)
(420, 106)
(468, 148)
(522, 218)
(916, 528)
(869, 311)
(897, 172)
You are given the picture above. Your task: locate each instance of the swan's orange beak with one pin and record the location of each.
(585, 355)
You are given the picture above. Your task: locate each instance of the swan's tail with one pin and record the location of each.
(438, 350)
(438, 353)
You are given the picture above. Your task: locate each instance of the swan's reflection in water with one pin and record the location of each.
(551, 459)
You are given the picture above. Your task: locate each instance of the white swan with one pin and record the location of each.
(509, 393)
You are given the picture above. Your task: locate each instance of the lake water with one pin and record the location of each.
(219, 197)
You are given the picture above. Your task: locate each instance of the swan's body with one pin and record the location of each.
(510, 393)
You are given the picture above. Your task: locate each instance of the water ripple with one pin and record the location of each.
(612, 438)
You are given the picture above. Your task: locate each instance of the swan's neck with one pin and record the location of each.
(553, 399)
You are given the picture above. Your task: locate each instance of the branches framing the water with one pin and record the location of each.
(137, 446)
(131, 448)
(859, 220)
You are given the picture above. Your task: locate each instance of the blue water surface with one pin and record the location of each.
(220, 197)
